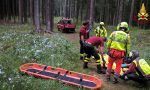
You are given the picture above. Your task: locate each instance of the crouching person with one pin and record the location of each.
(138, 71)
(89, 48)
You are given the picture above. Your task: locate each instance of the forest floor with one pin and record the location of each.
(122, 85)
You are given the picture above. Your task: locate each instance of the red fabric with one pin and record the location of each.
(116, 53)
(117, 59)
(96, 41)
(131, 68)
(84, 32)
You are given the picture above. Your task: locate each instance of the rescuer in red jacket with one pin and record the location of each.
(84, 34)
(89, 48)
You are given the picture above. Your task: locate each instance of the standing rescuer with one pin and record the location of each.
(84, 34)
(89, 48)
(118, 46)
(100, 30)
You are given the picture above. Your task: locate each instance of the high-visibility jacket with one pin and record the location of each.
(101, 32)
(142, 66)
(119, 40)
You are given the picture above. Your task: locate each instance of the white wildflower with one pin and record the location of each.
(9, 78)
(37, 52)
(1, 72)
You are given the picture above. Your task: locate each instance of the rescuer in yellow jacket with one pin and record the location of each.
(100, 30)
(138, 71)
(118, 47)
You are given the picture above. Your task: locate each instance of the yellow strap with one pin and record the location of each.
(86, 59)
(98, 62)
(82, 55)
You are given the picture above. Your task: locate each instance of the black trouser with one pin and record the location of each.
(137, 78)
(81, 47)
(90, 51)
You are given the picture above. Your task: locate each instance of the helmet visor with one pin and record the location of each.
(123, 28)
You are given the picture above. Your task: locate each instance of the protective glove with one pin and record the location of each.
(124, 65)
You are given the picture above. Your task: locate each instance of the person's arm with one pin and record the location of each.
(131, 68)
(95, 30)
(82, 37)
(109, 41)
(105, 32)
(82, 32)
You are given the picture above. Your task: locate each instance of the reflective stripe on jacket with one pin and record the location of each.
(119, 40)
(143, 66)
(101, 32)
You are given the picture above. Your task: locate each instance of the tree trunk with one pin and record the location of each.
(77, 10)
(131, 12)
(13, 11)
(87, 15)
(25, 10)
(20, 12)
(37, 16)
(81, 10)
(52, 14)
(44, 5)
(31, 12)
(91, 12)
(120, 11)
(48, 23)
(49, 15)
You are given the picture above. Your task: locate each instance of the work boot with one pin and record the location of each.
(99, 69)
(107, 78)
(81, 56)
(115, 80)
(85, 65)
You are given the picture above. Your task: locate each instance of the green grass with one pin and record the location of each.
(18, 46)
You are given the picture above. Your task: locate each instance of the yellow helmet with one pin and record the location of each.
(101, 23)
(123, 26)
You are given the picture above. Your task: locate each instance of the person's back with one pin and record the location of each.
(95, 41)
(143, 67)
(90, 50)
(118, 40)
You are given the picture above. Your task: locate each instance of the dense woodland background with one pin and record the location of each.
(40, 12)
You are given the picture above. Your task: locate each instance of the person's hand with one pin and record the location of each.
(97, 51)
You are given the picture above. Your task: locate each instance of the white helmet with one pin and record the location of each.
(101, 23)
